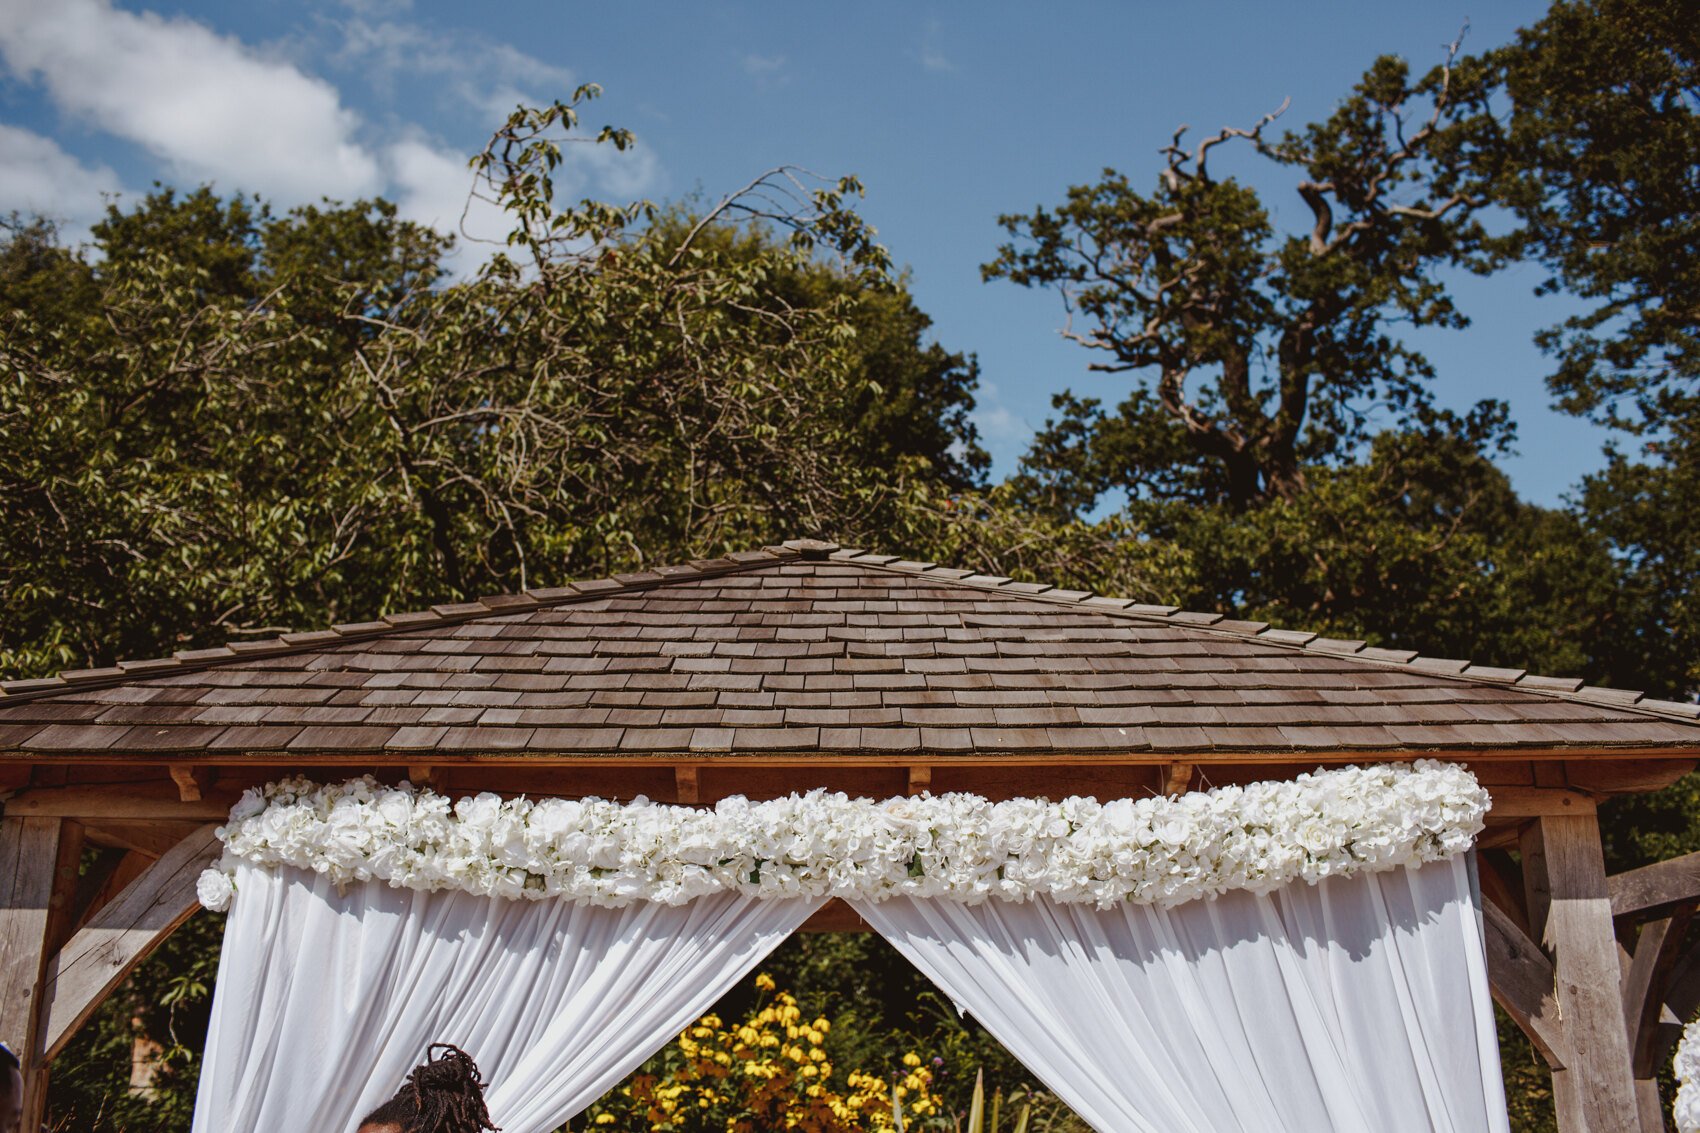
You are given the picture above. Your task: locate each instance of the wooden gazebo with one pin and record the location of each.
(807, 665)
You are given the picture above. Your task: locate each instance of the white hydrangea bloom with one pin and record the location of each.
(958, 846)
(1687, 1067)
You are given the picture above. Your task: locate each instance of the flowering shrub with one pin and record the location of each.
(957, 846)
(771, 1071)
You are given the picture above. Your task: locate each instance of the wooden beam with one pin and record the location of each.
(1521, 978)
(132, 802)
(1625, 776)
(1601, 1086)
(835, 916)
(920, 778)
(1533, 802)
(122, 935)
(150, 838)
(1654, 890)
(35, 902)
(1177, 778)
(1657, 946)
(1502, 884)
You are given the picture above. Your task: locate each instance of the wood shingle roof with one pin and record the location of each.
(808, 649)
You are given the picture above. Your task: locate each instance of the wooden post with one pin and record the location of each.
(1564, 870)
(1646, 971)
(38, 883)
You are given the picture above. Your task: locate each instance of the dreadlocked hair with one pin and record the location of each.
(443, 1095)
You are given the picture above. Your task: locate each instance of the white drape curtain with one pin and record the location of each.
(1357, 1004)
(326, 1000)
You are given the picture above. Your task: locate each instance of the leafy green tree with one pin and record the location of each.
(227, 423)
(1600, 159)
(1258, 354)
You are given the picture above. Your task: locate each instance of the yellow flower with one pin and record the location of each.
(911, 1059)
(764, 982)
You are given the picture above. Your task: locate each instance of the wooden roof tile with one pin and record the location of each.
(792, 649)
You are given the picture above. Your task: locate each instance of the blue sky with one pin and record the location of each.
(950, 114)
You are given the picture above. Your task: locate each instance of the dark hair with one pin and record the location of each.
(8, 1060)
(443, 1095)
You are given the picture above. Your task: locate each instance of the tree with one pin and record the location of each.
(227, 422)
(1258, 354)
(1601, 161)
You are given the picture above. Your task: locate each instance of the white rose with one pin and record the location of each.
(214, 888)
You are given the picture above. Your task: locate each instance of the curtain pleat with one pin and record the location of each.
(1353, 1005)
(326, 1000)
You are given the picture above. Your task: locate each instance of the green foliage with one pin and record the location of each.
(134, 1066)
(224, 423)
(1259, 353)
(1599, 160)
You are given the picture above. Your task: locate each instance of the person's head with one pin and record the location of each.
(11, 1093)
(444, 1095)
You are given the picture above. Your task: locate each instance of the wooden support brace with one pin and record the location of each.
(1657, 948)
(1654, 890)
(1521, 978)
(121, 935)
(920, 778)
(190, 781)
(685, 789)
(1596, 1090)
(1178, 778)
(419, 774)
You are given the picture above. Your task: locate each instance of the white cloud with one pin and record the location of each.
(432, 186)
(37, 177)
(206, 105)
(932, 57)
(764, 68)
(486, 77)
(763, 64)
(211, 108)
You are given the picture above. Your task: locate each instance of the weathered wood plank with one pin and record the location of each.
(28, 847)
(1654, 890)
(38, 879)
(1625, 776)
(1657, 947)
(1588, 976)
(1521, 978)
(130, 803)
(835, 916)
(154, 839)
(121, 935)
(1532, 802)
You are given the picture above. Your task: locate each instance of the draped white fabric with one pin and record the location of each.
(326, 1000)
(1351, 1005)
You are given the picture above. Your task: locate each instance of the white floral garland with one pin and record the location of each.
(959, 846)
(1687, 1067)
